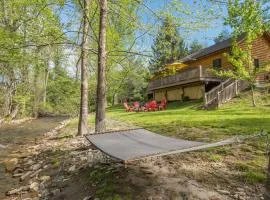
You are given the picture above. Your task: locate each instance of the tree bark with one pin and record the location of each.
(253, 96)
(83, 118)
(101, 79)
(46, 78)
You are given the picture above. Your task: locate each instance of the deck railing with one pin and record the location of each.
(185, 76)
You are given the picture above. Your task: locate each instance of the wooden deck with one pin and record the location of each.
(191, 75)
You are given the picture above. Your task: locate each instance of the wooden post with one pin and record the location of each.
(200, 69)
(203, 92)
(218, 99)
(236, 87)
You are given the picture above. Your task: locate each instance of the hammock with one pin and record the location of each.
(129, 145)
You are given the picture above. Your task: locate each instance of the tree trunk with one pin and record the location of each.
(253, 96)
(113, 100)
(46, 78)
(83, 118)
(101, 85)
(36, 88)
(267, 185)
(10, 93)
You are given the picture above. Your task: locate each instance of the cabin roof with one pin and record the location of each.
(214, 48)
(209, 50)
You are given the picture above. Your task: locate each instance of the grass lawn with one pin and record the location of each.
(243, 162)
(186, 120)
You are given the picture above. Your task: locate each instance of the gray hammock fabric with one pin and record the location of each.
(139, 143)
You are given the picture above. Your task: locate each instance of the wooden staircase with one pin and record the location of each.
(223, 93)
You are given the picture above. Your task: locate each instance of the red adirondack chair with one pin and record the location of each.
(136, 105)
(163, 104)
(153, 106)
(127, 107)
(145, 107)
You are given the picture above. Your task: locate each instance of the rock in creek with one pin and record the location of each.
(18, 171)
(35, 167)
(24, 176)
(72, 168)
(34, 187)
(35, 173)
(11, 164)
(18, 190)
(44, 179)
(225, 192)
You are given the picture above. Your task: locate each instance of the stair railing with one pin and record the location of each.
(212, 94)
(227, 93)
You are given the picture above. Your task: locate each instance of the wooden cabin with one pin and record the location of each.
(192, 77)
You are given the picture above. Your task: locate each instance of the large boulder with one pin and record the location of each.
(11, 164)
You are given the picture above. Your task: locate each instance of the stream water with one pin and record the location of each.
(14, 135)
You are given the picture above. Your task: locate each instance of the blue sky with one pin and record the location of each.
(203, 35)
(149, 18)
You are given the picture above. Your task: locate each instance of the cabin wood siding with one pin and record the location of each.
(194, 92)
(175, 94)
(207, 61)
(260, 50)
(159, 95)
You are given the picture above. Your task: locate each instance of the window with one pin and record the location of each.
(256, 63)
(217, 63)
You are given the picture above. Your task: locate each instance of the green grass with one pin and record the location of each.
(215, 157)
(187, 120)
(254, 177)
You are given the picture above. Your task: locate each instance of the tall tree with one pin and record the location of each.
(168, 46)
(29, 31)
(246, 19)
(195, 46)
(100, 125)
(83, 118)
(225, 34)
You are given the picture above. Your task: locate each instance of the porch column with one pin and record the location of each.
(200, 70)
